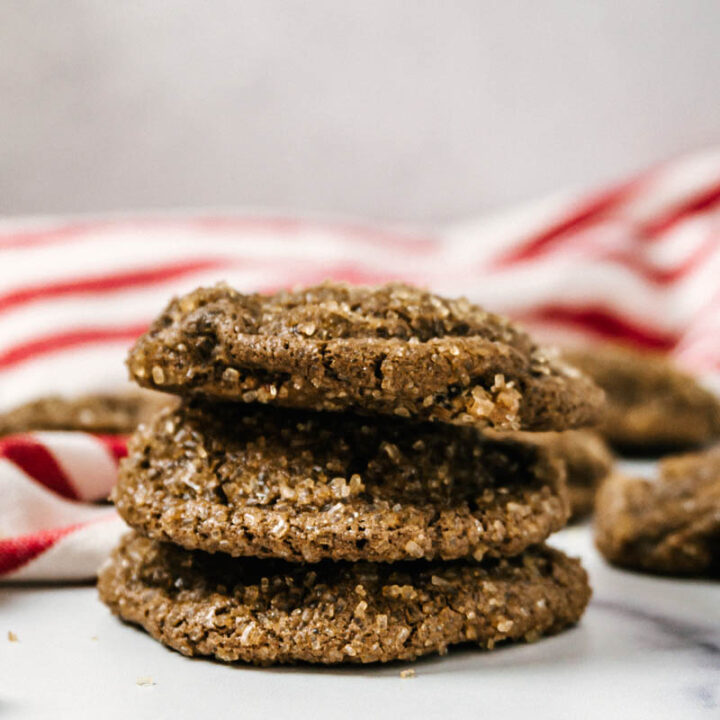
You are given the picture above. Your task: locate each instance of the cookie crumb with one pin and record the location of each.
(94, 638)
(145, 681)
(404, 674)
(12, 637)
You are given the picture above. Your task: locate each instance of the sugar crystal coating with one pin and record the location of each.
(266, 612)
(303, 486)
(586, 457)
(393, 350)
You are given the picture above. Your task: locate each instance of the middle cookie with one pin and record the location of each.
(304, 487)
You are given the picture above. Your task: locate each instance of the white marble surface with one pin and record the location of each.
(646, 648)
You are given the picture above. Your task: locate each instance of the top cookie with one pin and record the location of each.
(392, 350)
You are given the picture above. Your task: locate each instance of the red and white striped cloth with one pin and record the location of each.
(639, 261)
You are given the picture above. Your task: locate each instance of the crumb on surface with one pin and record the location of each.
(408, 674)
(12, 637)
(145, 681)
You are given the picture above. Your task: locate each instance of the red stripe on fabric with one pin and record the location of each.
(159, 274)
(57, 342)
(107, 283)
(221, 224)
(69, 339)
(18, 551)
(636, 263)
(35, 460)
(116, 445)
(699, 203)
(584, 214)
(602, 322)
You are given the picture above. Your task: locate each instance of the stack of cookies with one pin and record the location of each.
(325, 491)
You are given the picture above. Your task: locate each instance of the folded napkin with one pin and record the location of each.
(638, 262)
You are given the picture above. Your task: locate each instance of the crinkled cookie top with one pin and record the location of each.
(393, 350)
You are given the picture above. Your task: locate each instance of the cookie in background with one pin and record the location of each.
(112, 413)
(652, 406)
(666, 524)
(585, 456)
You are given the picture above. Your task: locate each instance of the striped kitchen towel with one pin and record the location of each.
(637, 262)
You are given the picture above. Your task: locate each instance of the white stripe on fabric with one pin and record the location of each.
(75, 556)
(86, 461)
(29, 507)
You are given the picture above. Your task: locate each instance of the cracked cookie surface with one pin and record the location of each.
(393, 350)
(267, 612)
(667, 524)
(304, 486)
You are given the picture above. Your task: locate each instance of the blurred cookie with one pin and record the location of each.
(393, 350)
(651, 404)
(267, 612)
(304, 486)
(670, 524)
(588, 460)
(586, 457)
(101, 413)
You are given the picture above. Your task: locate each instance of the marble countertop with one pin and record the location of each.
(647, 648)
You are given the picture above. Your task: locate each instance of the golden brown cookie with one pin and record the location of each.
(304, 486)
(651, 405)
(393, 350)
(266, 612)
(101, 413)
(669, 524)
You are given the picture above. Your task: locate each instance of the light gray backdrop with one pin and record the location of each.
(415, 110)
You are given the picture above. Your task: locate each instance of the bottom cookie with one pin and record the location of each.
(266, 611)
(670, 524)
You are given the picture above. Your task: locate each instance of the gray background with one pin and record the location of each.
(416, 110)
